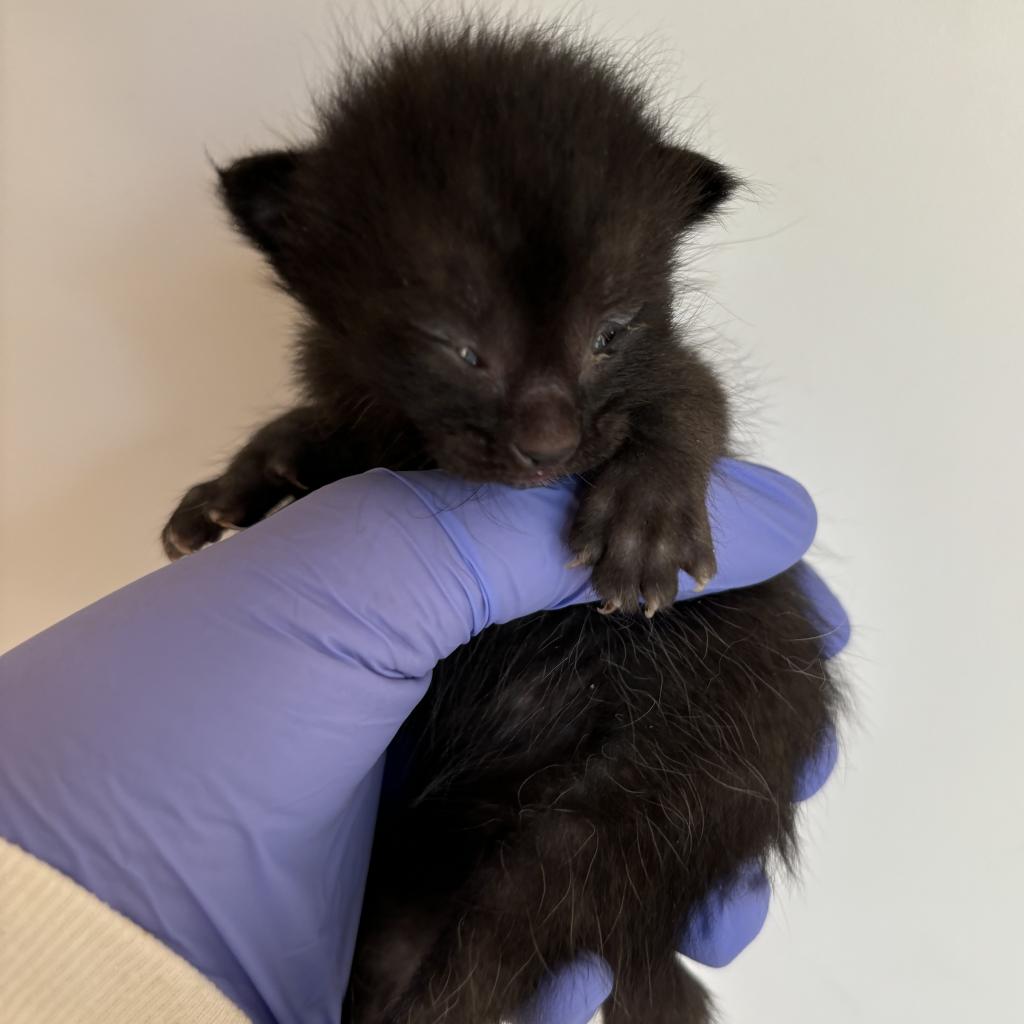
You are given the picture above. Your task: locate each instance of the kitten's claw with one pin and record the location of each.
(702, 570)
(283, 471)
(222, 519)
(609, 607)
(581, 561)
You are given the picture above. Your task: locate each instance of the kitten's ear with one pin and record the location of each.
(259, 192)
(701, 184)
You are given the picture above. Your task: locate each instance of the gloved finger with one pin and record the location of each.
(834, 626)
(571, 995)
(816, 772)
(832, 620)
(514, 541)
(728, 919)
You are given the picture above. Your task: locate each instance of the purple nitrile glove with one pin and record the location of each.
(203, 748)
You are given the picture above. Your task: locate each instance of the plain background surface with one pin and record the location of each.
(868, 303)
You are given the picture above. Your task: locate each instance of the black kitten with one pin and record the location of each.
(483, 235)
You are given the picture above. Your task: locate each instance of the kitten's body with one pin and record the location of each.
(483, 235)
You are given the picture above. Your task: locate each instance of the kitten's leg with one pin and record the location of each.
(476, 973)
(393, 943)
(490, 947)
(487, 962)
(287, 457)
(645, 515)
(667, 994)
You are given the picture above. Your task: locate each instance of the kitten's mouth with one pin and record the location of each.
(534, 478)
(476, 462)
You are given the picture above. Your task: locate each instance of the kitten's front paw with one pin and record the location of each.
(637, 538)
(230, 502)
(198, 520)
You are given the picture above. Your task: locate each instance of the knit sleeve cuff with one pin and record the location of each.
(65, 955)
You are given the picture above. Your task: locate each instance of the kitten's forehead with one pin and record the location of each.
(533, 252)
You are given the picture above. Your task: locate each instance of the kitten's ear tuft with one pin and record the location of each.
(701, 184)
(258, 191)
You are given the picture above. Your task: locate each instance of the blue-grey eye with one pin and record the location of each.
(604, 339)
(467, 355)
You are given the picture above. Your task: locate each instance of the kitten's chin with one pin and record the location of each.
(542, 479)
(476, 464)
(520, 479)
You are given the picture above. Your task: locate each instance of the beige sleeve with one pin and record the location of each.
(68, 958)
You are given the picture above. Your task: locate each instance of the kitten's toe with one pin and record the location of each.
(698, 560)
(659, 588)
(582, 560)
(174, 546)
(617, 585)
(588, 540)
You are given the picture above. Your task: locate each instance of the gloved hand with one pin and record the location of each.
(203, 748)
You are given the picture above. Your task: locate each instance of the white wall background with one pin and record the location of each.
(873, 293)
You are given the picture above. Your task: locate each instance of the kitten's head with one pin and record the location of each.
(483, 233)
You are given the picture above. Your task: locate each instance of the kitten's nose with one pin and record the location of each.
(548, 433)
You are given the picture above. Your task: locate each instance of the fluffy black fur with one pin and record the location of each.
(483, 234)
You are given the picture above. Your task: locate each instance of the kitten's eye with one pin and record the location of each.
(605, 338)
(467, 355)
